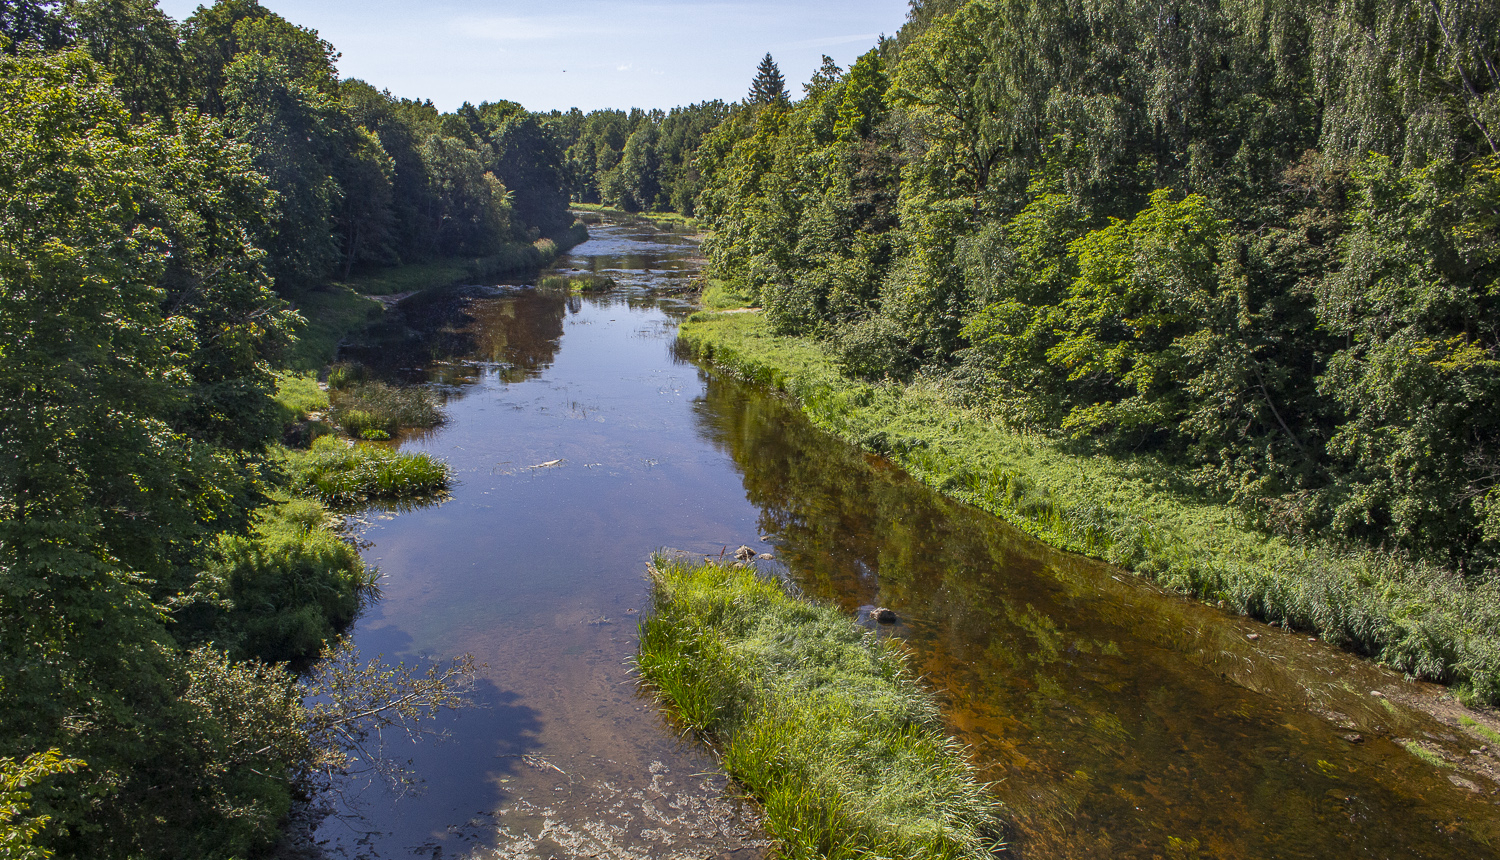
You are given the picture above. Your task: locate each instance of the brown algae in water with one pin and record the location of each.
(819, 720)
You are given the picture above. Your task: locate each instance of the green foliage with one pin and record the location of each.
(155, 184)
(18, 835)
(657, 172)
(282, 592)
(820, 720)
(1155, 234)
(343, 474)
(769, 87)
(1125, 328)
(138, 44)
(1418, 301)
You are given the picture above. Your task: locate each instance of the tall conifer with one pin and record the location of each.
(768, 85)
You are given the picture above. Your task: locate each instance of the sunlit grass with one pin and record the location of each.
(817, 718)
(1424, 754)
(720, 296)
(298, 394)
(342, 474)
(1137, 513)
(1482, 730)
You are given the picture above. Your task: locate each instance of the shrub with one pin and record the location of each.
(281, 592)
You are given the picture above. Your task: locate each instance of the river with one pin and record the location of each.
(1114, 719)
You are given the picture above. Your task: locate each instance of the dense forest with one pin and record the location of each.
(1259, 241)
(171, 193)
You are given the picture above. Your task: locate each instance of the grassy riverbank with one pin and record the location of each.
(819, 720)
(1134, 513)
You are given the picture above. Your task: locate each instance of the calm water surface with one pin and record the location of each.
(1115, 720)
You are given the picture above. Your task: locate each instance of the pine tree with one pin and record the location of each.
(768, 85)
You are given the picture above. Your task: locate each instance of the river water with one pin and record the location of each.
(1115, 720)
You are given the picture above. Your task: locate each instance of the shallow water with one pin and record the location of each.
(1115, 720)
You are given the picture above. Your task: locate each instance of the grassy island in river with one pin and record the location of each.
(820, 720)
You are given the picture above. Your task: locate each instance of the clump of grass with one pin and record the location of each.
(588, 283)
(346, 373)
(1420, 619)
(1424, 754)
(818, 719)
(362, 406)
(343, 474)
(1481, 729)
(721, 296)
(298, 395)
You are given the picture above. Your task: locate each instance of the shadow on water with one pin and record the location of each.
(1116, 720)
(478, 751)
(479, 325)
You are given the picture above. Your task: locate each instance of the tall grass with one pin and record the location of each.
(360, 407)
(818, 719)
(343, 474)
(1420, 619)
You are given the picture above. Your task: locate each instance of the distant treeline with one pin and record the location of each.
(640, 161)
(1260, 241)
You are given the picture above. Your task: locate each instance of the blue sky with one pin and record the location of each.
(584, 53)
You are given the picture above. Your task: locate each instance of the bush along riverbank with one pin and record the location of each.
(1423, 620)
(817, 718)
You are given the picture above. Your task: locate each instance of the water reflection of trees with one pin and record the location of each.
(1088, 700)
(449, 331)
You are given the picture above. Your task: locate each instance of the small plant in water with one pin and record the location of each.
(587, 283)
(360, 407)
